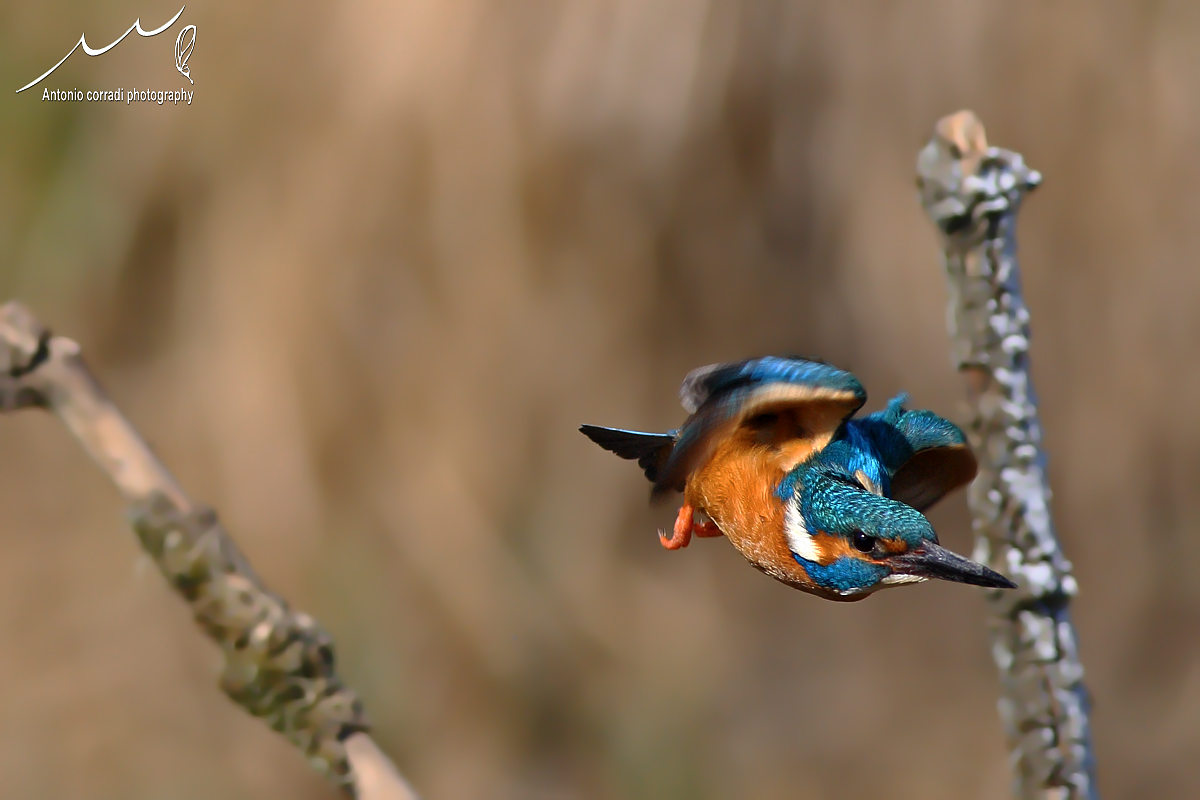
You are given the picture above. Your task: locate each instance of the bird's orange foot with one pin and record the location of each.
(703, 525)
(682, 534)
(690, 520)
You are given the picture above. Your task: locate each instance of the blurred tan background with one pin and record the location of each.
(362, 291)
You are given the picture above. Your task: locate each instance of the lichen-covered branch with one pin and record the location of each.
(279, 664)
(973, 192)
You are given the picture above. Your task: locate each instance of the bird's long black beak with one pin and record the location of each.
(934, 561)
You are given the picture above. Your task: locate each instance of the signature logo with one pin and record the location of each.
(182, 50)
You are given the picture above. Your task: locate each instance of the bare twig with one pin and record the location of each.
(279, 664)
(972, 192)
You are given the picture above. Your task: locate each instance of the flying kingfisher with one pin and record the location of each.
(771, 458)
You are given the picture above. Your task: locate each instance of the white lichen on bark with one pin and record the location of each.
(973, 192)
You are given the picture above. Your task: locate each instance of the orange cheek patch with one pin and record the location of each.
(832, 548)
(835, 547)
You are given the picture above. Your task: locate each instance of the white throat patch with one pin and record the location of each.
(900, 580)
(799, 539)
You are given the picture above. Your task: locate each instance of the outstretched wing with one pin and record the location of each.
(792, 404)
(651, 450)
(941, 461)
(926, 455)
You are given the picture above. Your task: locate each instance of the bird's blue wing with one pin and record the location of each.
(926, 455)
(722, 397)
(706, 382)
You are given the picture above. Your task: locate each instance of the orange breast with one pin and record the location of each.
(736, 487)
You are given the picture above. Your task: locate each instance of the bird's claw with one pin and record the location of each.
(689, 520)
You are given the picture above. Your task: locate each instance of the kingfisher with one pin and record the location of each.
(772, 458)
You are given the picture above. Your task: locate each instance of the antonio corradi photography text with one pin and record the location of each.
(126, 96)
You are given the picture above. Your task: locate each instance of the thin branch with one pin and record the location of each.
(279, 664)
(973, 192)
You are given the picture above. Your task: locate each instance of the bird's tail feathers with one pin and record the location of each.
(650, 450)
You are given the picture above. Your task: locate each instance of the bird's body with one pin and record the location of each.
(771, 459)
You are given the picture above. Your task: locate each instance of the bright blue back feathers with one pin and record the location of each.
(735, 382)
(722, 396)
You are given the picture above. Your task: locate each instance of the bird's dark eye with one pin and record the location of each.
(864, 542)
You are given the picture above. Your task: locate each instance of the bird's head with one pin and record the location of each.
(844, 528)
